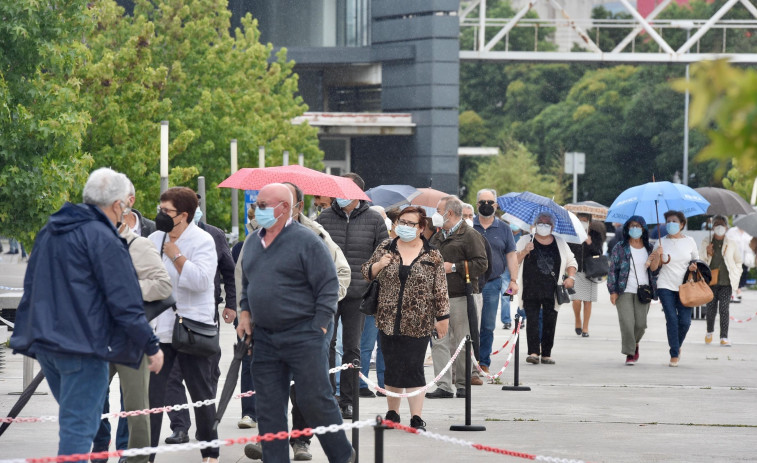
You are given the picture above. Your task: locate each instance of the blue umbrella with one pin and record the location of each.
(652, 200)
(389, 196)
(526, 206)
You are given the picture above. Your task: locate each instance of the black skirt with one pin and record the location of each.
(403, 358)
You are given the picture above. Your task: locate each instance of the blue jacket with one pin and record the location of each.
(81, 293)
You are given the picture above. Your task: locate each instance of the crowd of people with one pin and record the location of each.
(295, 278)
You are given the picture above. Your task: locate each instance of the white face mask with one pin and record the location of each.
(719, 230)
(469, 222)
(388, 223)
(437, 219)
(543, 229)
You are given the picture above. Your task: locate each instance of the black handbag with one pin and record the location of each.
(155, 308)
(643, 292)
(369, 304)
(597, 266)
(562, 295)
(195, 338)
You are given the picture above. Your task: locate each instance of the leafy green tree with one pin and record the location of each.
(176, 60)
(42, 119)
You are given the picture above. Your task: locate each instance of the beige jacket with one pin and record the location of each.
(154, 280)
(567, 259)
(343, 272)
(731, 256)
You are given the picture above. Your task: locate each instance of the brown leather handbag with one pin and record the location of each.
(695, 291)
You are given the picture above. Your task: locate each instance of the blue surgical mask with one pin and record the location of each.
(265, 217)
(198, 216)
(634, 232)
(514, 227)
(405, 232)
(673, 227)
(343, 202)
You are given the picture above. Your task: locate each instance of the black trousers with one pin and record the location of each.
(176, 394)
(298, 421)
(199, 379)
(540, 345)
(353, 321)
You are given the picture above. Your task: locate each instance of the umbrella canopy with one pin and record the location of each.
(527, 206)
(578, 238)
(428, 197)
(597, 211)
(310, 181)
(748, 223)
(652, 200)
(240, 349)
(388, 196)
(724, 202)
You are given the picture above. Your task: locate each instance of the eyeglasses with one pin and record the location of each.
(165, 210)
(264, 205)
(487, 201)
(407, 223)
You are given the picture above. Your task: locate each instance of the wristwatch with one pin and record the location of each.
(453, 268)
(176, 257)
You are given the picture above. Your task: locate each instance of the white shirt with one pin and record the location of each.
(681, 251)
(194, 288)
(638, 262)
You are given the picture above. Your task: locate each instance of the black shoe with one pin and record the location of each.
(417, 423)
(461, 393)
(353, 457)
(585, 334)
(578, 331)
(253, 451)
(508, 326)
(178, 437)
(391, 415)
(439, 394)
(380, 394)
(365, 392)
(123, 459)
(347, 412)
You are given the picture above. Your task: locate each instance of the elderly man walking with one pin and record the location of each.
(74, 334)
(289, 298)
(459, 244)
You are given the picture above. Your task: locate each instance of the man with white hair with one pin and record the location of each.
(82, 307)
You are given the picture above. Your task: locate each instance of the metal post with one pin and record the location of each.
(261, 156)
(467, 426)
(575, 178)
(234, 193)
(516, 386)
(163, 156)
(686, 132)
(285, 161)
(28, 371)
(378, 444)
(356, 407)
(201, 192)
(301, 159)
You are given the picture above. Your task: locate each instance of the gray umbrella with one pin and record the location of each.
(724, 202)
(748, 223)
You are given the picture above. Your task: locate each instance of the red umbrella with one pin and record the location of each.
(310, 181)
(428, 197)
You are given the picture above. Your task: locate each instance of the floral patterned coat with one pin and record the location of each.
(424, 294)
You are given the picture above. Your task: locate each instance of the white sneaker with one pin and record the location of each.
(724, 342)
(246, 423)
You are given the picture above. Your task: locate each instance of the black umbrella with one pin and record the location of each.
(23, 399)
(240, 349)
(472, 314)
(724, 202)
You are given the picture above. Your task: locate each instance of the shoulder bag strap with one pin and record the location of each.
(161, 245)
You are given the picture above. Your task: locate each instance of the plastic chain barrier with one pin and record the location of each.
(511, 338)
(149, 411)
(197, 445)
(465, 443)
(8, 288)
(743, 321)
(514, 338)
(376, 387)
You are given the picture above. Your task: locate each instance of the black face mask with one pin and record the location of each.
(486, 210)
(163, 222)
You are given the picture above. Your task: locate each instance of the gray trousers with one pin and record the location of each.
(632, 316)
(135, 385)
(440, 351)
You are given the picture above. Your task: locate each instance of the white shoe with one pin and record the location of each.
(724, 342)
(246, 423)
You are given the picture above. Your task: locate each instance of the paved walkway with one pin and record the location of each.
(589, 406)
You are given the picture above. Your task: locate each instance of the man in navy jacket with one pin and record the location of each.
(82, 307)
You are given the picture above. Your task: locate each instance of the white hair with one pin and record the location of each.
(468, 206)
(380, 210)
(486, 190)
(104, 187)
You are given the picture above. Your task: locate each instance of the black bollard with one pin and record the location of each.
(515, 386)
(356, 408)
(467, 426)
(378, 444)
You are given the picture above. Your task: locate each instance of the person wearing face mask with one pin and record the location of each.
(82, 307)
(189, 255)
(137, 223)
(723, 256)
(468, 214)
(357, 230)
(674, 262)
(412, 302)
(629, 269)
(546, 261)
(586, 289)
(503, 258)
(320, 203)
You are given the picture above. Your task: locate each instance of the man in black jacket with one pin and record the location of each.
(357, 230)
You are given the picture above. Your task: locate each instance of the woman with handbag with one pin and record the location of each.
(632, 285)
(674, 255)
(548, 268)
(586, 287)
(189, 255)
(723, 256)
(412, 302)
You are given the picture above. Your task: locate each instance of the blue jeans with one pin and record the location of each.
(491, 295)
(504, 315)
(101, 441)
(301, 353)
(677, 319)
(367, 341)
(78, 384)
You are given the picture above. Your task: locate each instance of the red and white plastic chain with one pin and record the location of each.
(197, 445)
(149, 411)
(485, 448)
(743, 321)
(376, 387)
(515, 335)
(517, 328)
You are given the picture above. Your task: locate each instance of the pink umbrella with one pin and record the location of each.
(310, 181)
(429, 197)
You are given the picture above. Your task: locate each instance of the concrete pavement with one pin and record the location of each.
(589, 406)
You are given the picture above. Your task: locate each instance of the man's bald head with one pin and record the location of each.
(275, 196)
(276, 192)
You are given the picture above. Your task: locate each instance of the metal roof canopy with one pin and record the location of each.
(484, 49)
(359, 124)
